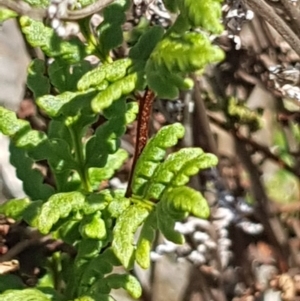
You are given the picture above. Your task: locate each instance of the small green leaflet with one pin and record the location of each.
(123, 241)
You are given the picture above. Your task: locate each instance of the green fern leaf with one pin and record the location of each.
(131, 112)
(58, 206)
(57, 129)
(185, 53)
(177, 169)
(38, 35)
(114, 162)
(110, 30)
(107, 137)
(68, 232)
(127, 282)
(97, 268)
(61, 158)
(83, 275)
(123, 241)
(171, 5)
(97, 201)
(64, 76)
(10, 282)
(52, 104)
(161, 82)
(146, 44)
(187, 200)
(28, 294)
(119, 204)
(203, 13)
(147, 235)
(32, 211)
(19, 130)
(153, 153)
(176, 55)
(193, 167)
(166, 224)
(114, 92)
(167, 170)
(87, 249)
(93, 227)
(6, 14)
(111, 72)
(14, 208)
(33, 180)
(37, 82)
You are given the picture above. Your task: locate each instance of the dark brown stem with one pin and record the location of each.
(145, 109)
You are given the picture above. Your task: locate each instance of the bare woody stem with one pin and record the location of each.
(267, 12)
(293, 12)
(23, 9)
(255, 146)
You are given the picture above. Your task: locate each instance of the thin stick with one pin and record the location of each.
(23, 9)
(256, 146)
(145, 109)
(267, 13)
(202, 122)
(272, 226)
(294, 13)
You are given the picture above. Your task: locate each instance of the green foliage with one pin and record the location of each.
(89, 108)
(14, 208)
(171, 5)
(182, 53)
(128, 282)
(37, 82)
(64, 77)
(142, 50)
(6, 14)
(242, 114)
(110, 72)
(38, 35)
(93, 227)
(163, 181)
(123, 243)
(10, 125)
(145, 241)
(32, 178)
(110, 31)
(166, 225)
(57, 207)
(10, 282)
(113, 92)
(202, 13)
(28, 294)
(175, 55)
(177, 169)
(114, 162)
(153, 154)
